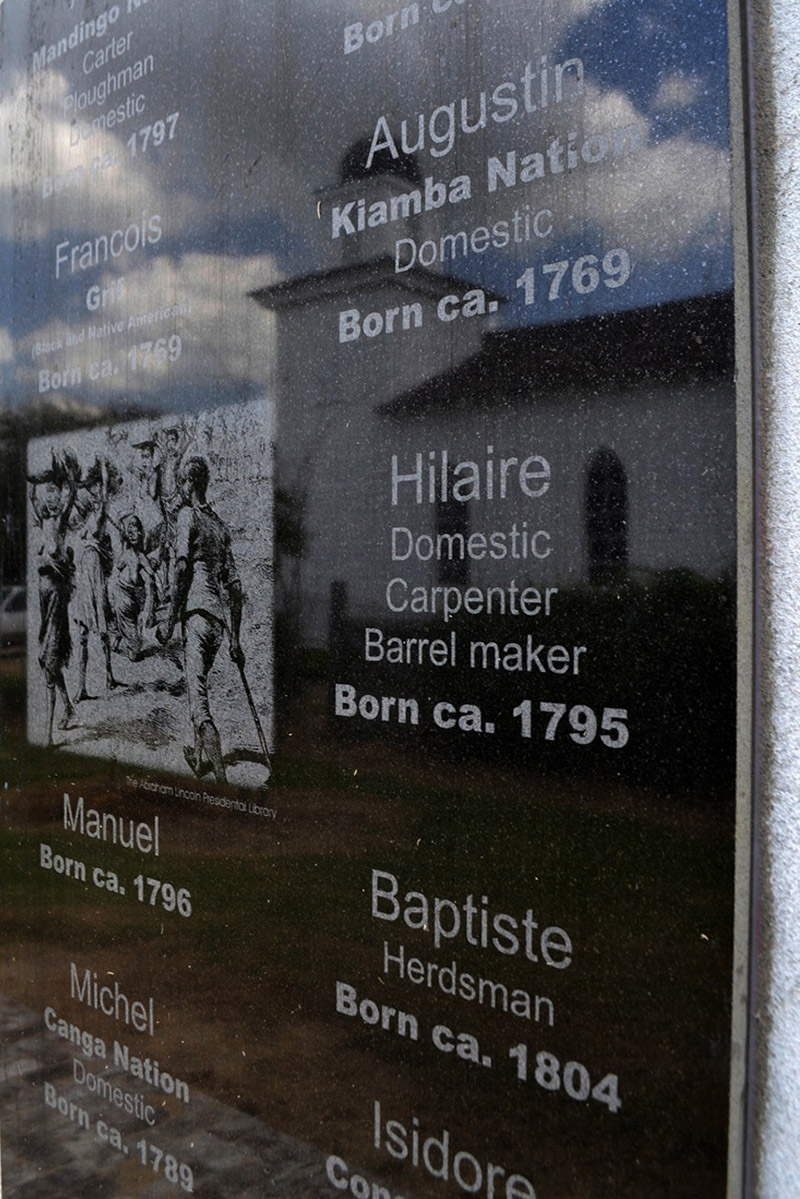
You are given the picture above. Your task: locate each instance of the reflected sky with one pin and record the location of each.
(269, 103)
(574, 156)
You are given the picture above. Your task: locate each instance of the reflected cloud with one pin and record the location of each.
(199, 299)
(64, 181)
(239, 187)
(638, 193)
(677, 90)
(582, 8)
(651, 202)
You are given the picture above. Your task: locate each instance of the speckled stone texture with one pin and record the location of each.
(775, 1063)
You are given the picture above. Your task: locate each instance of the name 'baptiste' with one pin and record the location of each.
(140, 835)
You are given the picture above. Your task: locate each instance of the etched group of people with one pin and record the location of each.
(128, 585)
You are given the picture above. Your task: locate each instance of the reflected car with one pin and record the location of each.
(13, 616)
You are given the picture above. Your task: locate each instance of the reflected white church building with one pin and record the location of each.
(424, 452)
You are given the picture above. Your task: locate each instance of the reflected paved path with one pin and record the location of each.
(45, 1155)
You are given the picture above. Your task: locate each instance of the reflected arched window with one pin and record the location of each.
(606, 517)
(452, 535)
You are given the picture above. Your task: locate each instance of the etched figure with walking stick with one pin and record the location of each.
(52, 495)
(94, 566)
(206, 599)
